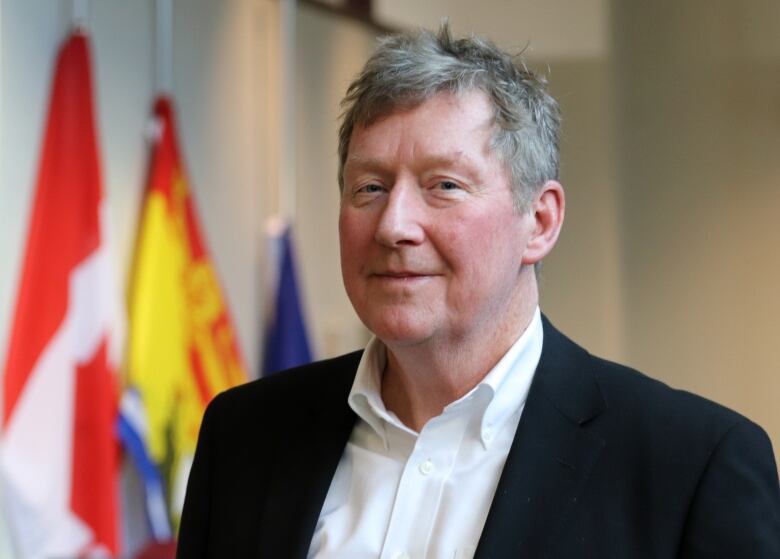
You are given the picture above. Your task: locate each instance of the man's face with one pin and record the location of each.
(431, 246)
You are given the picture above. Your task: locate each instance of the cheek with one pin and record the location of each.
(354, 242)
(486, 253)
(349, 236)
(476, 245)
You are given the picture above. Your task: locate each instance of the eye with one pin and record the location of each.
(366, 193)
(370, 189)
(448, 185)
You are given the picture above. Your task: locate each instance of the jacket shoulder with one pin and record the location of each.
(638, 410)
(655, 426)
(308, 387)
(634, 393)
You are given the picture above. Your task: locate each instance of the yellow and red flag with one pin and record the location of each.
(182, 347)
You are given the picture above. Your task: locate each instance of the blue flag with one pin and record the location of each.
(286, 342)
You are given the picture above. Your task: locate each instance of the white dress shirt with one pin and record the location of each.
(398, 494)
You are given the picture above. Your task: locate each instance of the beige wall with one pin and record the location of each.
(699, 137)
(582, 279)
(329, 53)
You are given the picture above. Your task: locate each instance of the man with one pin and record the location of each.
(469, 427)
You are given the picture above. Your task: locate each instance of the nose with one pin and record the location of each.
(401, 220)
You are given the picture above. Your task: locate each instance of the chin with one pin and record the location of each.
(399, 332)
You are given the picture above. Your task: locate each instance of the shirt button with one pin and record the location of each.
(425, 469)
(403, 555)
(487, 433)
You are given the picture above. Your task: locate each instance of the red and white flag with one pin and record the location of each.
(59, 456)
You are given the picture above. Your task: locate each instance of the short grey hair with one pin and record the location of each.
(409, 68)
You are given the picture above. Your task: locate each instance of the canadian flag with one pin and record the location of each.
(59, 456)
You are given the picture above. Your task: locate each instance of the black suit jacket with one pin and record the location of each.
(605, 463)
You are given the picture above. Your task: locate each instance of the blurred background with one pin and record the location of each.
(670, 256)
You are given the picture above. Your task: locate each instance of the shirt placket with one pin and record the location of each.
(422, 481)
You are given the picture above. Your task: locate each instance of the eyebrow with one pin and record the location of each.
(371, 163)
(457, 160)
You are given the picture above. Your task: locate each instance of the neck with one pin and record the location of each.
(420, 381)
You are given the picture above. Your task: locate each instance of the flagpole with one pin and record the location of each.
(164, 46)
(287, 193)
(80, 15)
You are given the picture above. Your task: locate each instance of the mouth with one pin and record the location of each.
(401, 277)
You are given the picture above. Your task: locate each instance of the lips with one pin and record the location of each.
(402, 280)
(400, 275)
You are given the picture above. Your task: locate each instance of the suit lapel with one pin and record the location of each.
(307, 459)
(551, 457)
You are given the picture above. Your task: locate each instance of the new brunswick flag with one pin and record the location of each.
(182, 348)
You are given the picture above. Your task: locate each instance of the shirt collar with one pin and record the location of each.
(505, 386)
(365, 397)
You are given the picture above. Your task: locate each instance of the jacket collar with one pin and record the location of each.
(306, 460)
(552, 455)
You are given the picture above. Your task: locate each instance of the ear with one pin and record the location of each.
(547, 213)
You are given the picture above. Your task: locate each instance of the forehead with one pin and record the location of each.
(445, 125)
